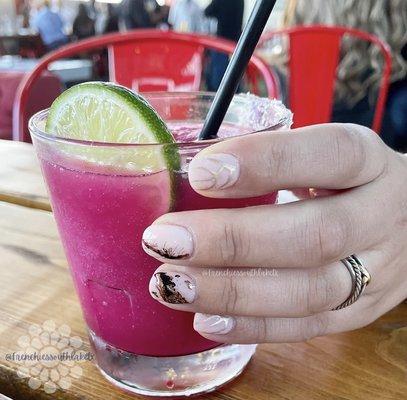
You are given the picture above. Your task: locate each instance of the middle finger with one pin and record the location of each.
(310, 233)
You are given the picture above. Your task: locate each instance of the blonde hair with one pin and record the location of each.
(361, 67)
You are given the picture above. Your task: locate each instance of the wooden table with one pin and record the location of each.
(370, 363)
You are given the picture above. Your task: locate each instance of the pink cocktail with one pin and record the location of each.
(102, 210)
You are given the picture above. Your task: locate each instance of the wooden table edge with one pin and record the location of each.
(29, 201)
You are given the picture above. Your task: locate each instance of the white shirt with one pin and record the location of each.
(187, 16)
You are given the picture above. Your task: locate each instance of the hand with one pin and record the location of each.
(273, 273)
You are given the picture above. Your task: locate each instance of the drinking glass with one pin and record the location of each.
(104, 195)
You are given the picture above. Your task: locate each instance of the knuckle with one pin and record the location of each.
(350, 150)
(333, 236)
(230, 296)
(327, 235)
(314, 326)
(262, 330)
(278, 158)
(321, 291)
(233, 244)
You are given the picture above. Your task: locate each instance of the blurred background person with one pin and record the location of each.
(23, 9)
(49, 25)
(188, 16)
(67, 10)
(112, 20)
(139, 14)
(360, 70)
(135, 15)
(229, 17)
(83, 25)
(98, 12)
(93, 10)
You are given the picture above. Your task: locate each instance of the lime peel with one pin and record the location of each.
(99, 112)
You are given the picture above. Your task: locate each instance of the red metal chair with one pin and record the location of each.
(314, 53)
(145, 60)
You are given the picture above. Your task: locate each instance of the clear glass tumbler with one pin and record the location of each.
(104, 195)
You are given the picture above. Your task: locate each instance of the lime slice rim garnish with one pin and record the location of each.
(136, 108)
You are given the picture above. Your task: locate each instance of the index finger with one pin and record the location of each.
(329, 156)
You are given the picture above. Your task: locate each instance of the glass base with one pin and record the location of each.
(171, 376)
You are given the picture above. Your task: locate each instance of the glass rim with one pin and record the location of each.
(39, 133)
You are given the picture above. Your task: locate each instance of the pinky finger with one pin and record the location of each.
(245, 330)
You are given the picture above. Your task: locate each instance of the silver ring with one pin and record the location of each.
(360, 279)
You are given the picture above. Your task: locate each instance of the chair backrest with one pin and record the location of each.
(157, 65)
(314, 55)
(145, 60)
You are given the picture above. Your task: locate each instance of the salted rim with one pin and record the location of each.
(41, 116)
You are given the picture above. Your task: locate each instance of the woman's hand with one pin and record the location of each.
(273, 273)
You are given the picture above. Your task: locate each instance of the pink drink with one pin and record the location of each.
(101, 219)
(104, 196)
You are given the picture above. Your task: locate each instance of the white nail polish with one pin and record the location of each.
(213, 324)
(168, 241)
(215, 172)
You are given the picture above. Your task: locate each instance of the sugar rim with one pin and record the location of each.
(286, 119)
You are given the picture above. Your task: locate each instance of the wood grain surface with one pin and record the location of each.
(20, 176)
(35, 286)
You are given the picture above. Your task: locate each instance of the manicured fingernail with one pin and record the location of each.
(214, 324)
(173, 288)
(217, 171)
(168, 241)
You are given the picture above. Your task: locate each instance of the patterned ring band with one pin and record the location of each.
(360, 279)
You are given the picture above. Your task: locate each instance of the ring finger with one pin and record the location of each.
(252, 292)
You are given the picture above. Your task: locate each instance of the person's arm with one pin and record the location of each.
(212, 10)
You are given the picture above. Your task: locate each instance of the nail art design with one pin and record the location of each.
(173, 288)
(168, 241)
(218, 171)
(213, 324)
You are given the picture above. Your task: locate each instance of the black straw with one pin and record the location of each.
(237, 66)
